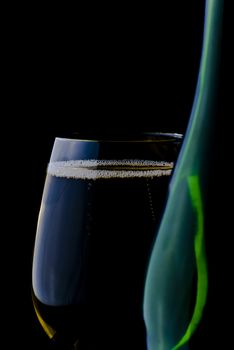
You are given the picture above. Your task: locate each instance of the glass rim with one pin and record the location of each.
(125, 137)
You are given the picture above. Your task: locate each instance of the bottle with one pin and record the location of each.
(176, 285)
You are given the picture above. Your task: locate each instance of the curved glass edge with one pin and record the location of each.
(135, 146)
(135, 137)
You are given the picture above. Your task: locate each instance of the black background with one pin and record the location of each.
(106, 69)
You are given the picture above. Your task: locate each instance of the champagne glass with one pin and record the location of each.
(102, 202)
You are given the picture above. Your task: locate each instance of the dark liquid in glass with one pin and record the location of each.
(93, 243)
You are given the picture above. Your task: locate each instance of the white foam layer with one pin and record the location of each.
(89, 169)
